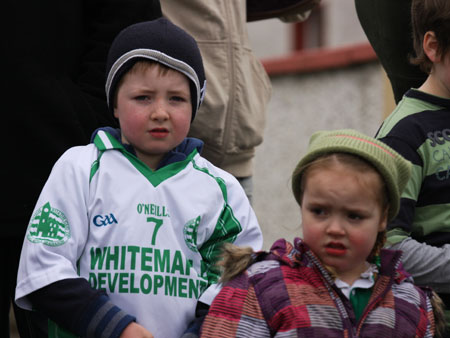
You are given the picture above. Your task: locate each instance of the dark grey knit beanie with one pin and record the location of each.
(161, 41)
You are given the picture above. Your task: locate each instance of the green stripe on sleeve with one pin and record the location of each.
(412, 189)
(429, 219)
(226, 231)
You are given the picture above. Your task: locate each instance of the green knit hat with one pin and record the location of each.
(394, 169)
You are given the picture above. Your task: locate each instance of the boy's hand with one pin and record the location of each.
(134, 330)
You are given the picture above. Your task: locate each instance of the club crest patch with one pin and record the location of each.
(190, 233)
(48, 226)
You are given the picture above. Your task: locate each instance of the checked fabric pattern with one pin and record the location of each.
(288, 293)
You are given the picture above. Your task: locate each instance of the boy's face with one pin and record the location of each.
(341, 217)
(154, 111)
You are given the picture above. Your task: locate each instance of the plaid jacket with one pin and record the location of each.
(288, 293)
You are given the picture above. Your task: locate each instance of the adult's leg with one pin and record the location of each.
(5, 300)
(387, 24)
(247, 184)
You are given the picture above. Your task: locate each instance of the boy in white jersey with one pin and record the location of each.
(127, 230)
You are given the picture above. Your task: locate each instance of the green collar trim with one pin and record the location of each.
(219, 180)
(105, 141)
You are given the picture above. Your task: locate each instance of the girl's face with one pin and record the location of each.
(342, 215)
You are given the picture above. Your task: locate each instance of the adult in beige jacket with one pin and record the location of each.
(232, 117)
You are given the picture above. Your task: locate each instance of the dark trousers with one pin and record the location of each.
(29, 324)
(387, 24)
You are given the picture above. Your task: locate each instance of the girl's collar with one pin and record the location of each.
(365, 281)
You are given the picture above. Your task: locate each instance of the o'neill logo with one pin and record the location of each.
(104, 220)
(48, 226)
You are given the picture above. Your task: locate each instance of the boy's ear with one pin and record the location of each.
(430, 46)
(116, 114)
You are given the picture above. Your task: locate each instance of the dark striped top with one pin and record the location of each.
(419, 129)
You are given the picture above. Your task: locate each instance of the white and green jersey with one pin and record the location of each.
(148, 238)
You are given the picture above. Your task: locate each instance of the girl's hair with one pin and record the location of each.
(356, 163)
(234, 260)
(439, 315)
(430, 15)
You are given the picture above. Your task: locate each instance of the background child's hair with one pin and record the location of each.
(430, 15)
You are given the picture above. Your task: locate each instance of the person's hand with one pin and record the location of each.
(134, 330)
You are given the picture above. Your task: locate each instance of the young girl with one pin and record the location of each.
(337, 281)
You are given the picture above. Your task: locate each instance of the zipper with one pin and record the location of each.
(378, 299)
